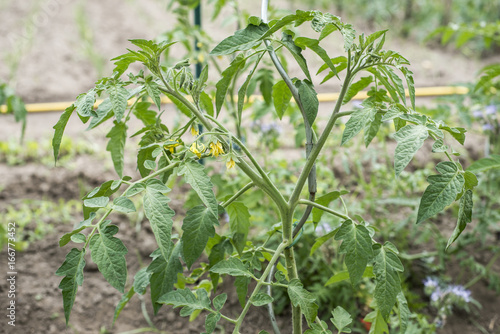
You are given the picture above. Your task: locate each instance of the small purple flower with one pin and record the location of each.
(430, 282)
(491, 109)
(477, 114)
(436, 295)
(488, 127)
(460, 291)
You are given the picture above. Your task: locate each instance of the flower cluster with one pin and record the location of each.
(215, 149)
(444, 297)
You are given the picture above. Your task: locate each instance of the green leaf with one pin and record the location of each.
(341, 319)
(198, 227)
(410, 139)
(96, 202)
(287, 42)
(118, 96)
(223, 84)
(78, 238)
(232, 267)
(281, 97)
(410, 83)
(442, 190)
(59, 130)
(321, 240)
(457, 133)
(309, 99)
(141, 280)
(313, 44)
(243, 89)
(439, 146)
(241, 283)
(206, 103)
(180, 105)
(464, 216)
(303, 298)
(164, 274)
(372, 128)
(135, 189)
(349, 35)
(485, 164)
(242, 40)
(299, 17)
(470, 180)
(108, 253)
(239, 221)
(357, 245)
(397, 83)
(81, 226)
(160, 217)
(123, 204)
(356, 87)
(325, 201)
(142, 112)
(379, 325)
(85, 103)
(388, 284)
(72, 269)
(122, 303)
(211, 322)
(358, 121)
(116, 145)
(153, 91)
(186, 298)
(219, 301)
(403, 312)
(261, 299)
(344, 275)
(195, 175)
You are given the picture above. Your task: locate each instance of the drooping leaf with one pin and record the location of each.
(442, 190)
(349, 35)
(298, 18)
(470, 180)
(313, 44)
(378, 323)
(153, 91)
(464, 216)
(59, 130)
(289, 44)
(281, 97)
(195, 175)
(410, 83)
(160, 217)
(223, 84)
(232, 267)
(241, 283)
(239, 221)
(321, 240)
(219, 301)
(72, 269)
(122, 303)
(211, 322)
(108, 252)
(403, 312)
(309, 99)
(142, 112)
(242, 40)
(243, 89)
(164, 274)
(358, 121)
(397, 83)
(341, 319)
(207, 103)
(410, 139)
(116, 145)
(456, 132)
(303, 298)
(81, 226)
(357, 245)
(372, 129)
(198, 227)
(485, 164)
(388, 284)
(356, 87)
(118, 97)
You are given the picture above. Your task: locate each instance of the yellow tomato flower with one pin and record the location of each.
(171, 147)
(197, 149)
(216, 149)
(230, 163)
(194, 131)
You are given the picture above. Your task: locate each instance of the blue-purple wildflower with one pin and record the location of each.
(490, 109)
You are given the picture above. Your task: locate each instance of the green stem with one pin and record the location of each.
(319, 145)
(238, 194)
(324, 208)
(260, 282)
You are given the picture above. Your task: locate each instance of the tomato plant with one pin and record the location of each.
(169, 152)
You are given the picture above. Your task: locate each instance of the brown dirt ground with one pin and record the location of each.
(53, 67)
